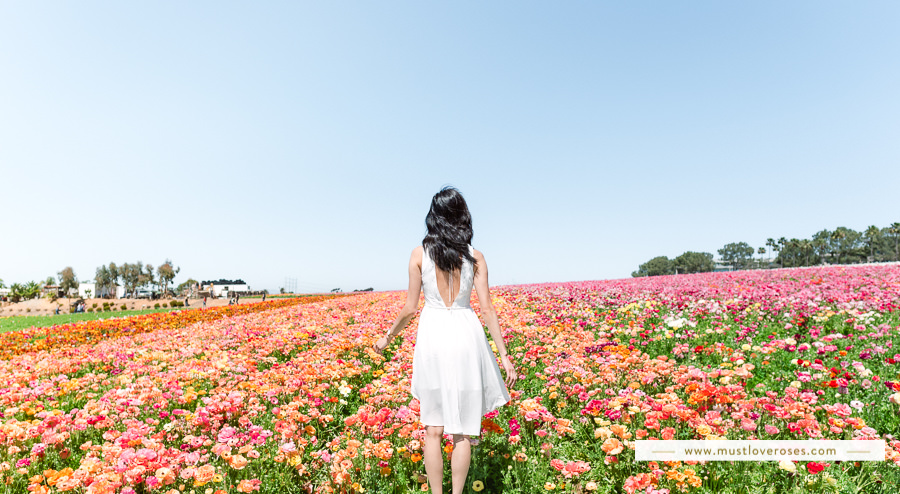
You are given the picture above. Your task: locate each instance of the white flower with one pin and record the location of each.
(344, 388)
(787, 465)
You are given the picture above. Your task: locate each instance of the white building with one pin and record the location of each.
(221, 288)
(89, 290)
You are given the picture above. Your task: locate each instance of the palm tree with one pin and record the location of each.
(770, 243)
(806, 248)
(782, 242)
(761, 251)
(872, 234)
(837, 235)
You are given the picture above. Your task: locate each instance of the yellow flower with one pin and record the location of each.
(477, 486)
(549, 486)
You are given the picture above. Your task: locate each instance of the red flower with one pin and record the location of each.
(814, 467)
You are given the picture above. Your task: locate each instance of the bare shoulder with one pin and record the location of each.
(417, 254)
(480, 263)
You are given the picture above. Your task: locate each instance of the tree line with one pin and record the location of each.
(131, 276)
(839, 246)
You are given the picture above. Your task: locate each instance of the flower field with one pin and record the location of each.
(289, 396)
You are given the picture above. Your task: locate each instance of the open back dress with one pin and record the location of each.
(455, 375)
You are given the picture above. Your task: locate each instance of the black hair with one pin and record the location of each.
(449, 227)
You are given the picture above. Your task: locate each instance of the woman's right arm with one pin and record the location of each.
(412, 300)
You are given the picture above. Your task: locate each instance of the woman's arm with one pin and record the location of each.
(412, 300)
(490, 316)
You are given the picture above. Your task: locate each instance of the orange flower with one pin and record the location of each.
(612, 446)
(248, 485)
(238, 462)
(204, 474)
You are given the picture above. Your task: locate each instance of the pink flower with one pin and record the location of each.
(771, 429)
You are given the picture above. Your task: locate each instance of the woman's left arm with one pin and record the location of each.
(490, 317)
(412, 300)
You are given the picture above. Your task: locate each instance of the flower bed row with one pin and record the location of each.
(65, 335)
(292, 399)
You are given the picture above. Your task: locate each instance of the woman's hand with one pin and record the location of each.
(380, 345)
(511, 375)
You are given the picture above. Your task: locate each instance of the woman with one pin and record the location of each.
(455, 375)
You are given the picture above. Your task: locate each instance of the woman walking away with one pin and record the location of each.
(454, 373)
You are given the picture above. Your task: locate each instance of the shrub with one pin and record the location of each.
(123, 307)
(165, 304)
(95, 305)
(156, 306)
(91, 309)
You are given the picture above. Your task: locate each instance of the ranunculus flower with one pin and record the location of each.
(246, 486)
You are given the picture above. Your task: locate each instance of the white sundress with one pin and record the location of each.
(455, 375)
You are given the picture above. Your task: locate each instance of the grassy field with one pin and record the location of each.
(17, 323)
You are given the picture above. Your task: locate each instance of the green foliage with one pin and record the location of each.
(27, 291)
(657, 266)
(166, 273)
(67, 280)
(737, 254)
(694, 262)
(841, 246)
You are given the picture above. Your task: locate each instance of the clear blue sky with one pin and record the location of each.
(263, 140)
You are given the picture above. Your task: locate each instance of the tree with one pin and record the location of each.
(693, 262)
(821, 244)
(761, 251)
(1, 283)
(738, 254)
(131, 276)
(114, 275)
(31, 290)
(49, 281)
(846, 242)
(166, 273)
(806, 249)
(895, 232)
(15, 292)
(148, 277)
(186, 285)
(772, 245)
(102, 279)
(873, 235)
(657, 266)
(67, 280)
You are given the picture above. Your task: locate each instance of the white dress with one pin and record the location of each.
(455, 375)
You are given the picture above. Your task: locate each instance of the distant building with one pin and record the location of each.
(89, 290)
(722, 266)
(221, 288)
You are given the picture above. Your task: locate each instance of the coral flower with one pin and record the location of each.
(612, 446)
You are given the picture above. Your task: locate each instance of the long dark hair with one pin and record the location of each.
(449, 230)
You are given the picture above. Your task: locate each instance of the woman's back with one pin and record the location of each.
(445, 290)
